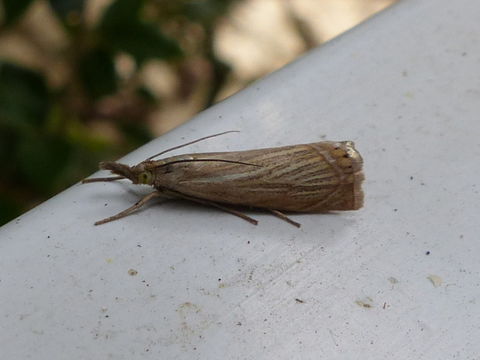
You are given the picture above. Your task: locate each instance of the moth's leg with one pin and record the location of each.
(233, 212)
(284, 217)
(105, 179)
(218, 206)
(131, 209)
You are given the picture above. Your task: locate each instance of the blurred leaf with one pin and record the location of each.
(9, 208)
(136, 134)
(97, 71)
(41, 159)
(123, 30)
(8, 145)
(14, 9)
(24, 99)
(144, 41)
(206, 11)
(145, 94)
(120, 13)
(69, 11)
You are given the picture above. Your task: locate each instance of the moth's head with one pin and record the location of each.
(138, 174)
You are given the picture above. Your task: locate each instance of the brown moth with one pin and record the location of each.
(308, 178)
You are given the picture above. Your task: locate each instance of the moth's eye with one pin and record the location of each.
(145, 178)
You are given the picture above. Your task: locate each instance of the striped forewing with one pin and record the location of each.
(295, 178)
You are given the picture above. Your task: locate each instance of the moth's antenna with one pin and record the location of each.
(217, 160)
(104, 179)
(190, 143)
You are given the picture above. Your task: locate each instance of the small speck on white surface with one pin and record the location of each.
(435, 280)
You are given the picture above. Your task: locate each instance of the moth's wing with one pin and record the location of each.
(312, 177)
(332, 180)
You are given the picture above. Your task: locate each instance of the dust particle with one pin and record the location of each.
(132, 272)
(435, 280)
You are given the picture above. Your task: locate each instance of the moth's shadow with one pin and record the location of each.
(330, 222)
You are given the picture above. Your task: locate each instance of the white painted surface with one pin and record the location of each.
(405, 87)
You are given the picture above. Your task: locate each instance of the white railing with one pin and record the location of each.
(183, 281)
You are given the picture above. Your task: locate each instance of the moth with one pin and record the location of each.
(307, 178)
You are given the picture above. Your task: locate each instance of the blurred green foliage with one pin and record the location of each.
(46, 137)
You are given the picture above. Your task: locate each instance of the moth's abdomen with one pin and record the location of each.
(314, 177)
